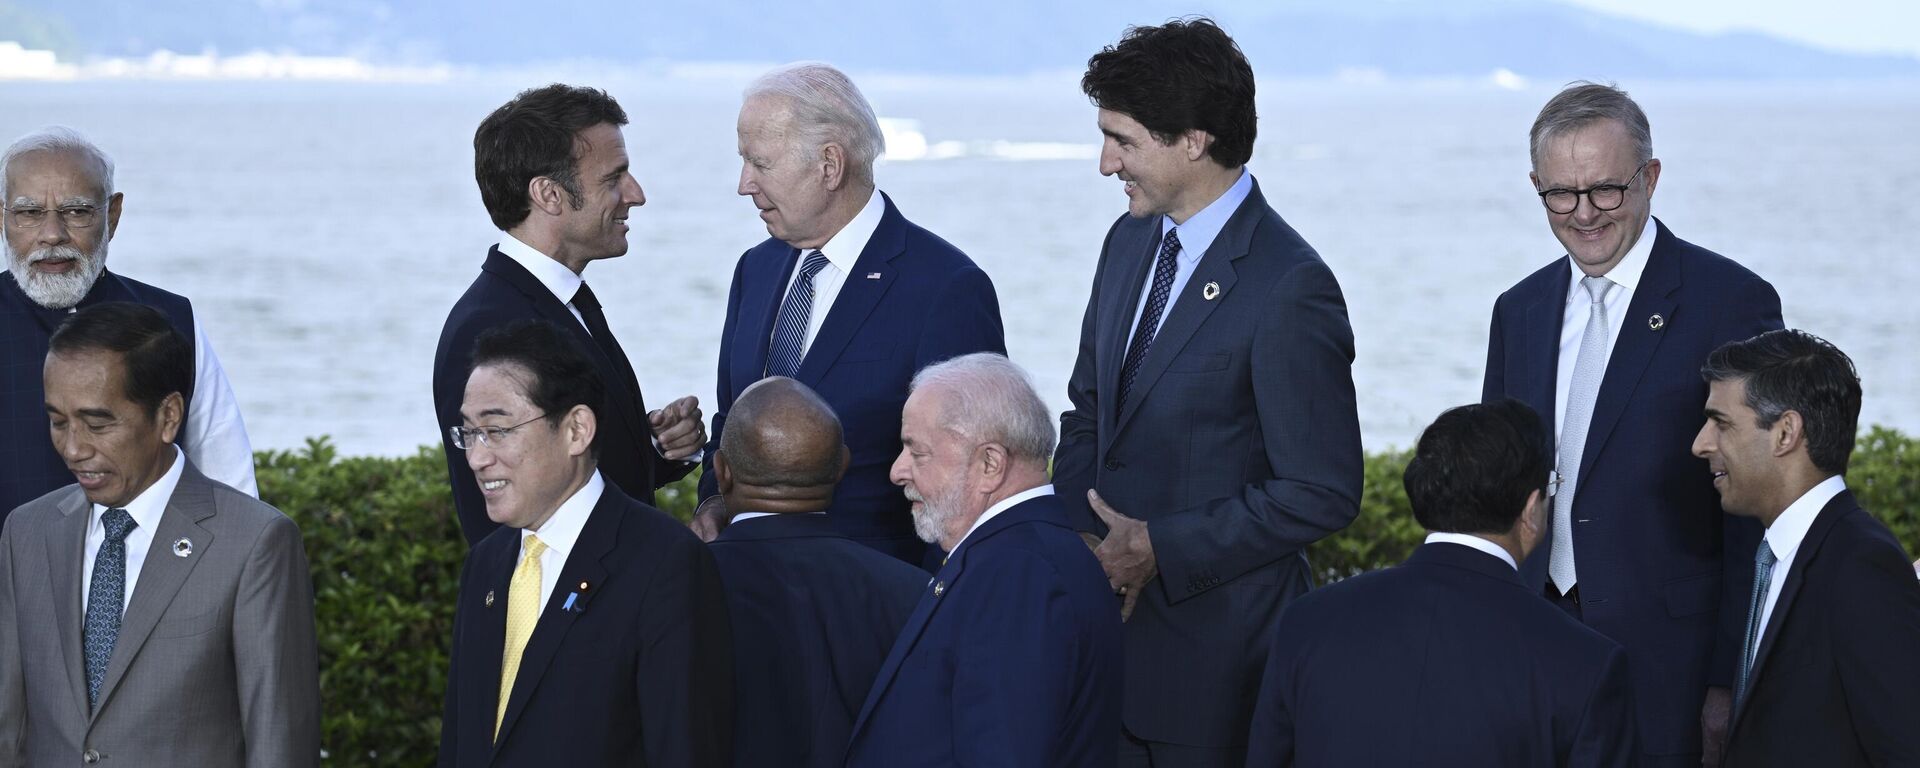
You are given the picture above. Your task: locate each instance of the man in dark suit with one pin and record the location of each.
(148, 615)
(814, 611)
(1213, 403)
(847, 295)
(1828, 672)
(1448, 659)
(1012, 657)
(1604, 343)
(553, 172)
(591, 628)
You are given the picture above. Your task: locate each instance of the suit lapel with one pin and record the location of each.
(1809, 549)
(479, 659)
(859, 294)
(1544, 317)
(758, 314)
(930, 600)
(584, 564)
(162, 574)
(1117, 317)
(1635, 346)
(66, 551)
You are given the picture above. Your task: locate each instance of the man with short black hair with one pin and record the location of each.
(148, 614)
(590, 628)
(1828, 673)
(553, 172)
(1449, 659)
(1213, 434)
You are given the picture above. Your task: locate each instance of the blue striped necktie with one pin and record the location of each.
(790, 330)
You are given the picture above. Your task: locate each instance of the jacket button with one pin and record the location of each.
(90, 757)
(1113, 465)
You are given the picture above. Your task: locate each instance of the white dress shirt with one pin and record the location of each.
(1786, 533)
(1196, 236)
(563, 282)
(146, 511)
(752, 515)
(1469, 540)
(560, 532)
(1005, 504)
(1573, 320)
(841, 250)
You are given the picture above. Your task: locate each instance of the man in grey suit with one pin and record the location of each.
(148, 615)
(1213, 433)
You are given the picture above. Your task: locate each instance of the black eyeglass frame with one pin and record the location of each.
(1576, 194)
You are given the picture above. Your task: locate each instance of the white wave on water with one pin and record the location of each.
(906, 142)
(20, 63)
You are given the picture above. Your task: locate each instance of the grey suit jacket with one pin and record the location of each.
(216, 662)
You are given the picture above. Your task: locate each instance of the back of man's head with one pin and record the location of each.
(780, 434)
(535, 135)
(1792, 370)
(155, 360)
(1474, 468)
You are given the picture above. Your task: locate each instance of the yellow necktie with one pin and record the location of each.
(523, 611)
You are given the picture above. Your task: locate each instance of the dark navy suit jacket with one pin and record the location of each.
(1836, 679)
(1446, 660)
(1239, 444)
(814, 614)
(506, 292)
(1011, 658)
(911, 300)
(1661, 570)
(638, 673)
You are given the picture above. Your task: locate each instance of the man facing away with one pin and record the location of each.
(1012, 656)
(148, 615)
(553, 172)
(1449, 659)
(61, 210)
(1828, 673)
(846, 295)
(813, 611)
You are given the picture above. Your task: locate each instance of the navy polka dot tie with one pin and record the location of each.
(106, 597)
(1164, 269)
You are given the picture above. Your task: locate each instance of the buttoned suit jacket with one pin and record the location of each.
(506, 292)
(1239, 445)
(911, 300)
(1836, 679)
(637, 671)
(1661, 570)
(216, 663)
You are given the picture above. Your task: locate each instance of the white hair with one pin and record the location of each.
(991, 400)
(825, 107)
(61, 139)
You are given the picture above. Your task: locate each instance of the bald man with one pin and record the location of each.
(814, 612)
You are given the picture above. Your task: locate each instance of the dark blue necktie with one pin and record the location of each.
(1763, 560)
(790, 330)
(106, 596)
(1164, 268)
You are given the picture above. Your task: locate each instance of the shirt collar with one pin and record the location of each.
(1003, 505)
(552, 274)
(1469, 540)
(845, 247)
(1784, 536)
(1198, 234)
(752, 515)
(561, 530)
(1625, 274)
(147, 508)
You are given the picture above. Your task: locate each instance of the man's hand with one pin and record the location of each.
(1126, 554)
(1715, 717)
(679, 429)
(709, 518)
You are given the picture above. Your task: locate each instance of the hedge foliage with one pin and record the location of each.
(386, 551)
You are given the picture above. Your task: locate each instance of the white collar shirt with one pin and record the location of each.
(563, 282)
(1468, 540)
(1004, 504)
(1573, 320)
(146, 511)
(1196, 236)
(752, 515)
(561, 531)
(842, 251)
(1786, 533)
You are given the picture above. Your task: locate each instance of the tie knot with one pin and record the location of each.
(1597, 287)
(533, 547)
(1764, 555)
(815, 262)
(118, 523)
(584, 298)
(1172, 243)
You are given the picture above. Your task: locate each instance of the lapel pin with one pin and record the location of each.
(489, 598)
(1210, 292)
(583, 586)
(873, 275)
(182, 547)
(939, 588)
(1656, 322)
(572, 597)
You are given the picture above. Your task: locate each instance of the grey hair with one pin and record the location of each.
(825, 106)
(1582, 104)
(991, 400)
(58, 138)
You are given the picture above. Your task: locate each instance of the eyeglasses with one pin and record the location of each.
(1604, 197)
(1553, 482)
(71, 216)
(467, 437)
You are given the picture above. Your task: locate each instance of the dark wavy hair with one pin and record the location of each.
(535, 135)
(562, 375)
(1176, 77)
(1797, 371)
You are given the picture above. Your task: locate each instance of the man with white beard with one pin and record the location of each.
(60, 211)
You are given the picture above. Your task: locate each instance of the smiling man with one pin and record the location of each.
(1213, 403)
(61, 210)
(553, 172)
(1606, 340)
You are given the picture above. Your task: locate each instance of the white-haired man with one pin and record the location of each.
(847, 296)
(61, 209)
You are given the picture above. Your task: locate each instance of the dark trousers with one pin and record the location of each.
(1136, 752)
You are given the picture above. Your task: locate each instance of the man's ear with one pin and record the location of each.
(547, 196)
(171, 414)
(833, 166)
(846, 460)
(581, 425)
(113, 213)
(1196, 142)
(722, 472)
(1789, 433)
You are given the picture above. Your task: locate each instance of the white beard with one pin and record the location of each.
(57, 291)
(935, 516)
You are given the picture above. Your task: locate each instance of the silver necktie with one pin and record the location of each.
(1588, 369)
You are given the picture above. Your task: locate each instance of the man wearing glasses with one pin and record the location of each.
(1607, 342)
(60, 211)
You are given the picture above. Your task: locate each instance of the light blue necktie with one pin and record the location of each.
(1588, 369)
(790, 330)
(1763, 560)
(106, 598)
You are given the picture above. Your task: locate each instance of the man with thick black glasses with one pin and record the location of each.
(1606, 343)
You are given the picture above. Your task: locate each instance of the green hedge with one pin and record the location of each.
(386, 552)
